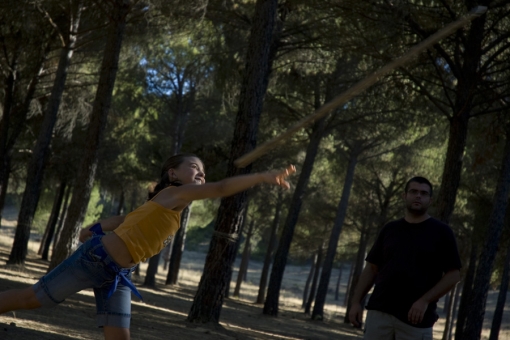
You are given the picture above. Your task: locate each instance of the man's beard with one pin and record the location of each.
(422, 210)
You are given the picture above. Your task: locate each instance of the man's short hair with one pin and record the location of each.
(421, 180)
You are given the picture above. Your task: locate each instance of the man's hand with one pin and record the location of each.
(356, 315)
(417, 311)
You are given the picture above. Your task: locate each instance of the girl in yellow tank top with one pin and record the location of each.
(133, 238)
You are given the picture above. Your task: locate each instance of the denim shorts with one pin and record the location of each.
(85, 269)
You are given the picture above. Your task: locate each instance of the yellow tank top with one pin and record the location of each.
(148, 229)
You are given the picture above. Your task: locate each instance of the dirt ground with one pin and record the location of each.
(163, 313)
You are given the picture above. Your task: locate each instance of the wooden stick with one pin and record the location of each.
(359, 87)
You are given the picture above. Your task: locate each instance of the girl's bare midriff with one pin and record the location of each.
(118, 251)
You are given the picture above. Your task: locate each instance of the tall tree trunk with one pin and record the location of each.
(178, 248)
(5, 122)
(349, 284)
(313, 288)
(358, 268)
(236, 250)
(448, 308)
(467, 289)
(35, 169)
(500, 305)
(320, 299)
(52, 222)
(100, 109)
(458, 290)
(339, 279)
(270, 247)
(217, 272)
(280, 259)
(152, 270)
(476, 313)
(309, 280)
(457, 137)
(61, 219)
(243, 267)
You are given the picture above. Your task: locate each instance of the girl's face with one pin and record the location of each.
(191, 170)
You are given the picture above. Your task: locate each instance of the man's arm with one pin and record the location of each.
(365, 283)
(108, 224)
(447, 282)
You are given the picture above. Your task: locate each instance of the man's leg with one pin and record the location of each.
(379, 326)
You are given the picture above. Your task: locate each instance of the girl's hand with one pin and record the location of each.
(85, 234)
(278, 177)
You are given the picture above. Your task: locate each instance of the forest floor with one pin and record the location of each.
(164, 310)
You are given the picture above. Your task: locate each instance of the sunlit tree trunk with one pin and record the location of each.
(101, 107)
(217, 272)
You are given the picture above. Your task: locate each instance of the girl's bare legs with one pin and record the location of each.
(116, 333)
(15, 299)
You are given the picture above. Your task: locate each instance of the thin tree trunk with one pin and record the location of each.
(349, 284)
(449, 313)
(5, 121)
(358, 268)
(467, 289)
(178, 248)
(217, 272)
(313, 289)
(280, 259)
(243, 267)
(476, 313)
(61, 219)
(36, 166)
(52, 222)
(270, 247)
(458, 290)
(500, 305)
(309, 280)
(320, 299)
(337, 289)
(236, 250)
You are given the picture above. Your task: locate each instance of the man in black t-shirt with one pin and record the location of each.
(413, 263)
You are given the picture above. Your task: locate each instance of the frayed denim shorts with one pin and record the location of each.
(90, 267)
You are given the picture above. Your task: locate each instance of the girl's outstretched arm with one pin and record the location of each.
(183, 195)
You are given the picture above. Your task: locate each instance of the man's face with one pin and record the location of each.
(417, 198)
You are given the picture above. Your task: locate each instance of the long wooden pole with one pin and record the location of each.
(359, 87)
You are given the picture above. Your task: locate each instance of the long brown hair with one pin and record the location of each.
(171, 163)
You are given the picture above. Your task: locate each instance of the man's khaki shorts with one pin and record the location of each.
(383, 326)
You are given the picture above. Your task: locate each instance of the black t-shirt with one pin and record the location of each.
(411, 258)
